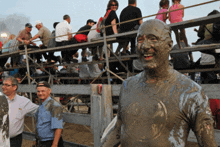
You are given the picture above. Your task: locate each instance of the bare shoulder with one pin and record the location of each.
(181, 6)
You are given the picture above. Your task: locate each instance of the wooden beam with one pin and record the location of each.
(212, 90)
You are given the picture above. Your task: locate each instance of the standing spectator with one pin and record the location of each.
(64, 37)
(19, 106)
(82, 36)
(49, 122)
(52, 43)
(128, 13)
(23, 37)
(177, 16)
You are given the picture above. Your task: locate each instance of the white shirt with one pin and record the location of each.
(63, 28)
(18, 108)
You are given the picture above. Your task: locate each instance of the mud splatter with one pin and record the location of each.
(55, 109)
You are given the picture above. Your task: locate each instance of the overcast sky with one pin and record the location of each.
(50, 11)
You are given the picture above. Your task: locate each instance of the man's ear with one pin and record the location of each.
(170, 44)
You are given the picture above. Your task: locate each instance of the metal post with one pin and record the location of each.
(29, 80)
(106, 54)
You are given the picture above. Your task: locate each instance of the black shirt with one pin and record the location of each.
(112, 15)
(129, 13)
(86, 27)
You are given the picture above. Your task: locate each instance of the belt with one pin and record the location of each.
(17, 137)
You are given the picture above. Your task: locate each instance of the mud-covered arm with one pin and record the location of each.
(111, 135)
(202, 122)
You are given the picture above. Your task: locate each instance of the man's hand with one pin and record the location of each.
(26, 42)
(40, 45)
(34, 44)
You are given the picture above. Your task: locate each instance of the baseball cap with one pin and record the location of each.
(28, 25)
(38, 22)
(90, 20)
(43, 84)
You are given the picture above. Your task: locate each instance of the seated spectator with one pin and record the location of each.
(181, 60)
(23, 37)
(93, 33)
(15, 60)
(82, 36)
(207, 59)
(7, 44)
(64, 37)
(111, 19)
(44, 35)
(52, 43)
(3, 60)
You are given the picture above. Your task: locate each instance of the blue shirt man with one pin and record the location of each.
(49, 122)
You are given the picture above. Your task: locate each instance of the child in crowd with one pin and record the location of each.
(164, 5)
(177, 16)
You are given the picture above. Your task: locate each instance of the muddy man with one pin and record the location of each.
(159, 106)
(4, 122)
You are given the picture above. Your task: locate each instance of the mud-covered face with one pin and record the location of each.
(153, 44)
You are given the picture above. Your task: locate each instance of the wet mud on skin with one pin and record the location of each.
(56, 110)
(159, 106)
(4, 122)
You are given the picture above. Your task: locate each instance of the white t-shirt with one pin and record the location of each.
(63, 28)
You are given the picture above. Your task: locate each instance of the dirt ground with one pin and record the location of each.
(72, 132)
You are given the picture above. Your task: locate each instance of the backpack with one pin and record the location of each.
(80, 38)
(216, 31)
(99, 28)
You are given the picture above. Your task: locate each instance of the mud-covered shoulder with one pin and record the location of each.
(132, 80)
(55, 108)
(191, 93)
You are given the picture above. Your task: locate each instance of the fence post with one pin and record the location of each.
(107, 110)
(96, 120)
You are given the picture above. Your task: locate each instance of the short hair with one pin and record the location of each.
(213, 12)
(164, 2)
(13, 80)
(55, 24)
(131, 1)
(17, 75)
(110, 3)
(66, 17)
(175, 0)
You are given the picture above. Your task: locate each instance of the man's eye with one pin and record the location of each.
(140, 40)
(153, 38)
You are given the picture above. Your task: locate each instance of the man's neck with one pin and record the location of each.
(134, 5)
(157, 74)
(11, 96)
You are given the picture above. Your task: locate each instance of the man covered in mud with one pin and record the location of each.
(4, 122)
(49, 122)
(159, 106)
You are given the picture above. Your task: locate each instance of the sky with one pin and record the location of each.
(50, 11)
